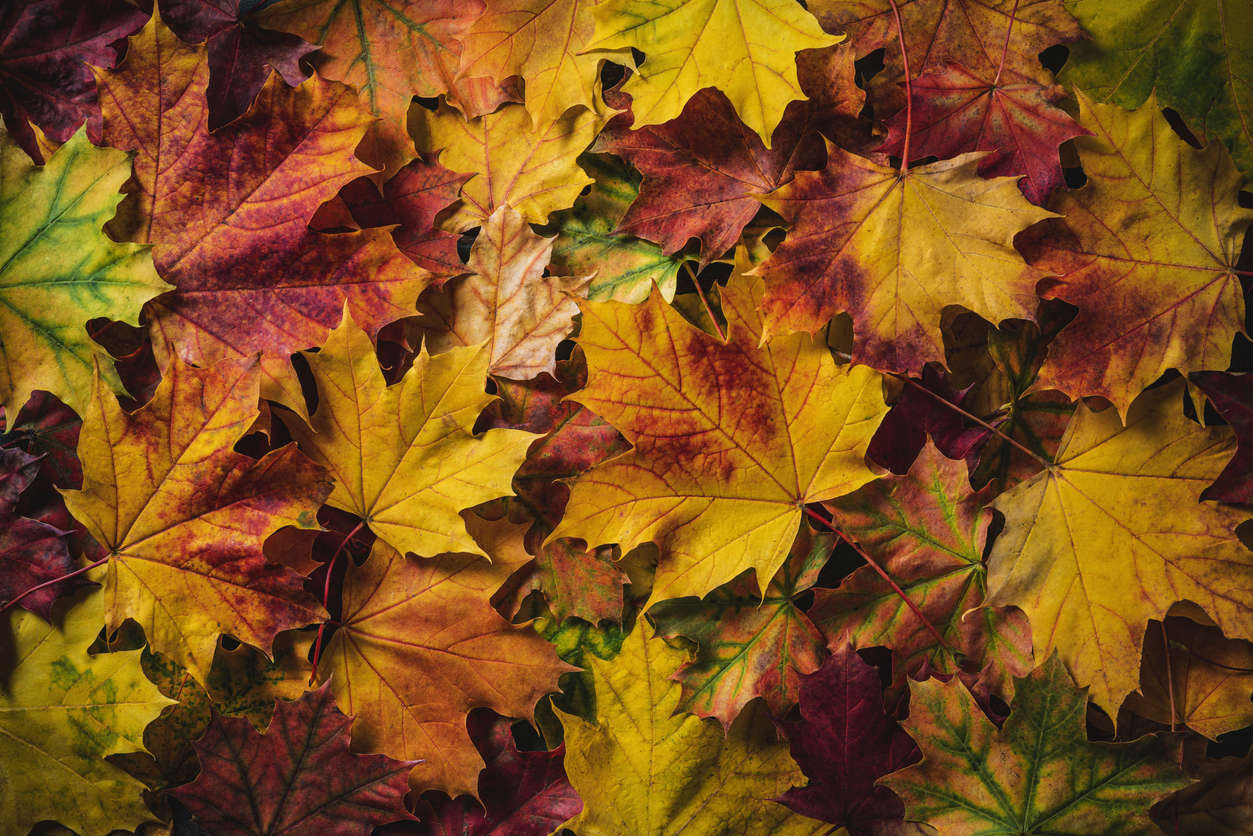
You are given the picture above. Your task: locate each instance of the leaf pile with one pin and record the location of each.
(609, 417)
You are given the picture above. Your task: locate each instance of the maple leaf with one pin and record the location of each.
(1121, 502)
(893, 248)
(730, 440)
(623, 267)
(704, 170)
(389, 50)
(1037, 771)
(33, 553)
(183, 516)
(1191, 674)
(1217, 805)
(529, 166)
(418, 646)
(745, 48)
(844, 741)
(748, 645)
(927, 532)
(296, 777)
(524, 793)
(60, 270)
(955, 111)
(506, 301)
(1149, 261)
(1232, 396)
(543, 41)
(241, 53)
(46, 48)
(61, 712)
(999, 39)
(1193, 56)
(642, 768)
(404, 457)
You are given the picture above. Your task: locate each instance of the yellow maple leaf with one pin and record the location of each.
(1114, 533)
(62, 711)
(418, 646)
(404, 457)
(1147, 251)
(893, 249)
(545, 42)
(184, 517)
(528, 166)
(730, 439)
(745, 48)
(645, 769)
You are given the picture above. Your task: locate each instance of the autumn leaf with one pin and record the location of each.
(1149, 261)
(623, 267)
(704, 171)
(296, 776)
(927, 532)
(241, 53)
(1232, 396)
(507, 301)
(183, 516)
(956, 111)
(894, 248)
(641, 768)
(61, 712)
(1192, 675)
(745, 48)
(785, 424)
(418, 645)
(524, 793)
(404, 457)
(999, 39)
(46, 50)
(748, 645)
(530, 167)
(59, 269)
(1037, 773)
(388, 50)
(544, 42)
(845, 741)
(1114, 533)
(1217, 805)
(33, 553)
(1195, 57)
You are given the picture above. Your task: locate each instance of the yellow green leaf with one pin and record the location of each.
(62, 711)
(1114, 533)
(745, 48)
(404, 457)
(58, 269)
(643, 769)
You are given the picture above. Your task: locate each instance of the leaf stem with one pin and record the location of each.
(1170, 677)
(64, 577)
(909, 93)
(326, 597)
(971, 416)
(709, 311)
(873, 564)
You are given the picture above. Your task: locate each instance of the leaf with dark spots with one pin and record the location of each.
(844, 741)
(1018, 124)
(46, 50)
(296, 778)
(704, 169)
(46, 427)
(250, 275)
(183, 516)
(17, 471)
(523, 793)
(241, 53)
(747, 645)
(1232, 396)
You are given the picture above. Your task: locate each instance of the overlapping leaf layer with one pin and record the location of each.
(626, 417)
